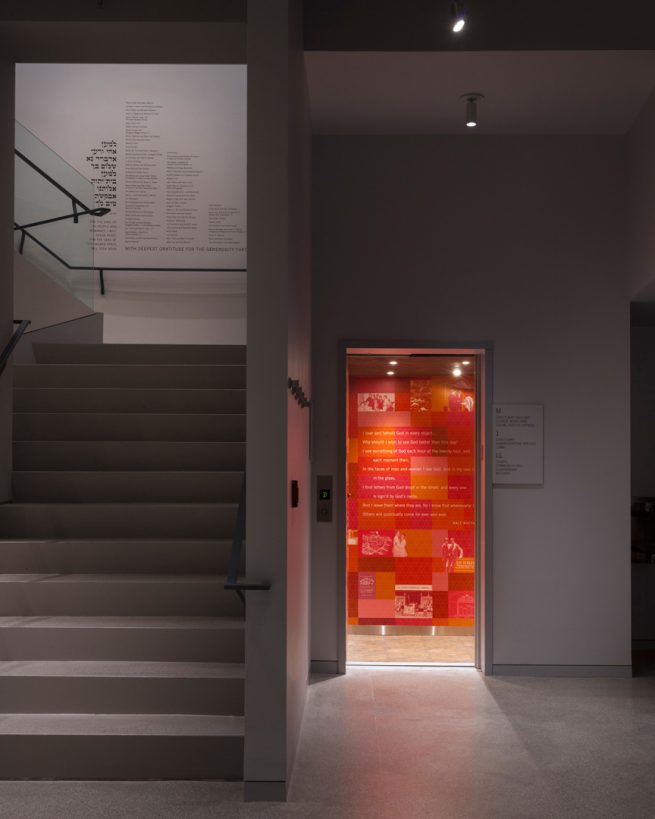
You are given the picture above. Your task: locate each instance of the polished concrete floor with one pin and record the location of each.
(403, 743)
(410, 648)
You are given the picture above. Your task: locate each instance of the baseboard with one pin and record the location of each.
(643, 645)
(502, 670)
(265, 791)
(324, 667)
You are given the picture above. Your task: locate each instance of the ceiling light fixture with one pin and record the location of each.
(390, 372)
(457, 371)
(471, 100)
(393, 363)
(457, 16)
(466, 363)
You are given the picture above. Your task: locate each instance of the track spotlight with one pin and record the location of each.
(471, 101)
(457, 16)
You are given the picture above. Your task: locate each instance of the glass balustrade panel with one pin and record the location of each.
(45, 186)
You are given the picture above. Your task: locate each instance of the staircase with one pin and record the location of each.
(121, 655)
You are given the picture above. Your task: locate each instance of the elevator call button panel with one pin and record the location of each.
(324, 498)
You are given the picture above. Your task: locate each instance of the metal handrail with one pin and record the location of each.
(75, 215)
(94, 212)
(13, 341)
(234, 565)
(52, 181)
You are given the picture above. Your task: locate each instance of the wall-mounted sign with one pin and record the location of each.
(519, 444)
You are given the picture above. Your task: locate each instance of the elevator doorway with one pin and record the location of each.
(414, 493)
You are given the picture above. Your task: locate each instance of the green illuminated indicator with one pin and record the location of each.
(324, 494)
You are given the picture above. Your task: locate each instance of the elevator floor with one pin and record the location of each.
(411, 649)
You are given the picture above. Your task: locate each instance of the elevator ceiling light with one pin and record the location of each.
(466, 363)
(457, 371)
(390, 372)
(457, 16)
(471, 99)
(393, 363)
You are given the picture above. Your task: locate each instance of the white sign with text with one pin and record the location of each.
(519, 444)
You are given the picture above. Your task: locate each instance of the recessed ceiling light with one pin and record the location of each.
(393, 363)
(466, 363)
(457, 371)
(390, 372)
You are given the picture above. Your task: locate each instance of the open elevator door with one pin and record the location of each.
(412, 510)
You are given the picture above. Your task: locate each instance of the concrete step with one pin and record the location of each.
(89, 595)
(120, 687)
(207, 556)
(126, 487)
(99, 426)
(117, 520)
(139, 354)
(121, 746)
(157, 639)
(205, 376)
(96, 455)
(128, 399)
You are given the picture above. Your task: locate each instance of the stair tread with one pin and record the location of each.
(119, 668)
(121, 724)
(185, 390)
(47, 577)
(157, 504)
(130, 345)
(123, 622)
(88, 442)
(125, 455)
(106, 541)
(194, 415)
(121, 472)
(114, 365)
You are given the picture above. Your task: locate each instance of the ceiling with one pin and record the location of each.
(410, 366)
(492, 25)
(526, 92)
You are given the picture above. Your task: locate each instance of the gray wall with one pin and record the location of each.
(519, 241)
(641, 203)
(642, 433)
(642, 429)
(641, 249)
(277, 433)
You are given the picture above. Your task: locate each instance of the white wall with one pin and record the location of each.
(134, 310)
(299, 368)
(518, 241)
(41, 299)
(173, 308)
